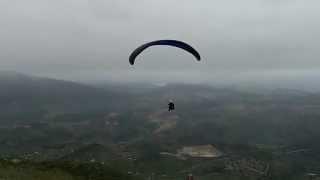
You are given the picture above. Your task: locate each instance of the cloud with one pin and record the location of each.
(92, 39)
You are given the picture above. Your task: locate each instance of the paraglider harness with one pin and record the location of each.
(171, 106)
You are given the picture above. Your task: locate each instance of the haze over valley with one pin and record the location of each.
(215, 132)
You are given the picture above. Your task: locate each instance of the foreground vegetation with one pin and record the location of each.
(58, 170)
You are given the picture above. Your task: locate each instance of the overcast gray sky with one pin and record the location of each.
(92, 39)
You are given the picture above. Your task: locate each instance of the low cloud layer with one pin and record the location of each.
(92, 39)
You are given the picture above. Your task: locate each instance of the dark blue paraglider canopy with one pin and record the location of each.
(174, 43)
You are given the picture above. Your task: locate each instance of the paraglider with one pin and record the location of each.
(171, 106)
(174, 43)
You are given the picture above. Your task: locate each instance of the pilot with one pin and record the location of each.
(171, 105)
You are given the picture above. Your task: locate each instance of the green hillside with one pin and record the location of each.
(52, 126)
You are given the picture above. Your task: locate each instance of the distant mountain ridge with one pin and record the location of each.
(23, 93)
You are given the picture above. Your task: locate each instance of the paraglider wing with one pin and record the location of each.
(173, 43)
